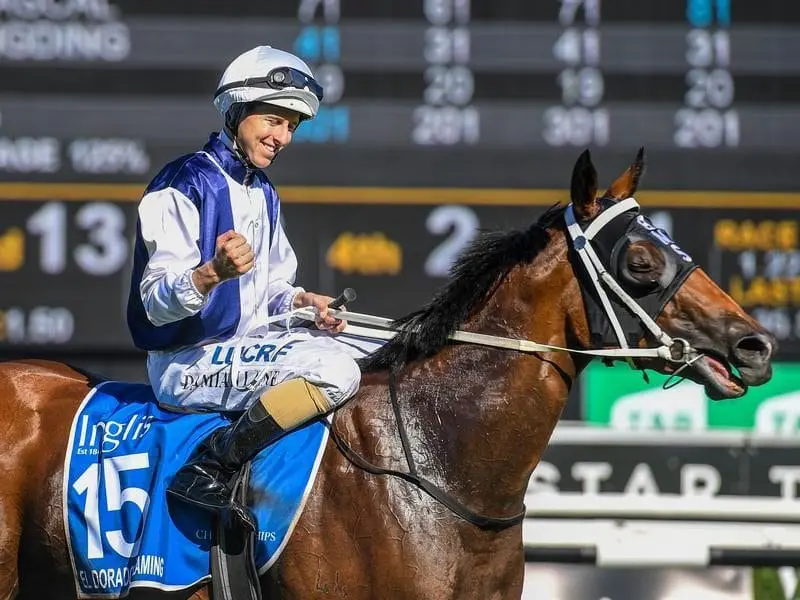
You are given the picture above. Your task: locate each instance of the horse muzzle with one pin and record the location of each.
(727, 370)
(752, 356)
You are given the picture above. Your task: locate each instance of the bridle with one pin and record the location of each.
(673, 350)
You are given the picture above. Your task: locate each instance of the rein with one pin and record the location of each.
(673, 353)
(435, 492)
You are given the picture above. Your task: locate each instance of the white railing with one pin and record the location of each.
(663, 530)
(624, 543)
(666, 507)
(676, 531)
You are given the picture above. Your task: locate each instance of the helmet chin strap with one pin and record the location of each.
(232, 120)
(248, 165)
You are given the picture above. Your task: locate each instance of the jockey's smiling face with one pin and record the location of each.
(265, 131)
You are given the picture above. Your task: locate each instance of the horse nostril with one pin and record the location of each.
(753, 349)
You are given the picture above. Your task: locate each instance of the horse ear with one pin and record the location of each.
(626, 184)
(583, 188)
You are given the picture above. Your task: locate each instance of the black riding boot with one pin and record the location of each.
(205, 479)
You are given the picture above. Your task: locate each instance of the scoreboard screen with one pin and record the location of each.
(417, 92)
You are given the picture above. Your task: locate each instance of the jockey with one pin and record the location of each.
(212, 262)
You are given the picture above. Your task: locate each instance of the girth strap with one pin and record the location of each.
(435, 492)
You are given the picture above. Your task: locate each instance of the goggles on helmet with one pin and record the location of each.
(279, 79)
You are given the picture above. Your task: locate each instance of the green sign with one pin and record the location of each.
(618, 397)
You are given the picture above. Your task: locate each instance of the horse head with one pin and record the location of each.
(712, 336)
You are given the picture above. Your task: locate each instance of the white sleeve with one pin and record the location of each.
(170, 226)
(282, 273)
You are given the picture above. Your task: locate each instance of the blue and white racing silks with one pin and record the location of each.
(192, 201)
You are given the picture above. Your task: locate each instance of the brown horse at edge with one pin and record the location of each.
(478, 420)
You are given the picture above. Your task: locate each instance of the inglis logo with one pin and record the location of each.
(262, 353)
(106, 436)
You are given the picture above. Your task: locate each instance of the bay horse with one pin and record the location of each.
(472, 420)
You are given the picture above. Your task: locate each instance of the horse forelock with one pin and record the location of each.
(479, 268)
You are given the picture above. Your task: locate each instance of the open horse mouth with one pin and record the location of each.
(716, 375)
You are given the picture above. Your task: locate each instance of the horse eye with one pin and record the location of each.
(640, 264)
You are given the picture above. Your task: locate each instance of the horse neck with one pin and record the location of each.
(481, 417)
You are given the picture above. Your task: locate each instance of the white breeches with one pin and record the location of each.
(230, 375)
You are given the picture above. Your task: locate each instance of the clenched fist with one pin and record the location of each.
(233, 258)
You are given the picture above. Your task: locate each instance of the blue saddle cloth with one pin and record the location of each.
(124, 533)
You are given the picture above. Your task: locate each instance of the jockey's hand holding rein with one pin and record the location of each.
(320, 302)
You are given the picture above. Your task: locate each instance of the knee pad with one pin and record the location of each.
(294, 402)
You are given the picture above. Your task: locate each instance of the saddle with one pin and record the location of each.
(125, 531)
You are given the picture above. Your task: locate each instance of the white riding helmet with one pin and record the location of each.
(266, 74)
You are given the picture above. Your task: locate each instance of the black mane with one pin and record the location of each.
(485, 262)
